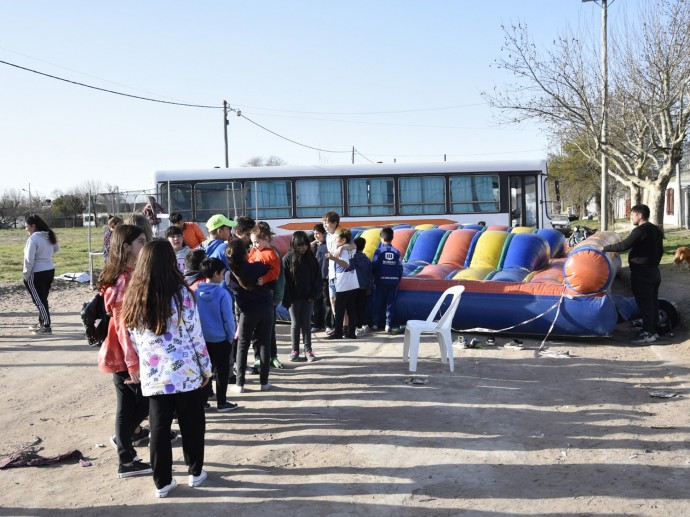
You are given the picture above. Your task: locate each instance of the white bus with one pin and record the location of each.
(289, 198)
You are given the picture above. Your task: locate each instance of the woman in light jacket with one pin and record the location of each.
(39, 269)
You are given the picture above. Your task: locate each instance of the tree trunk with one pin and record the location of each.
(655, 200)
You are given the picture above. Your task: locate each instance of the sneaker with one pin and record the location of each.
(163, 492)
(113, 442)
(257, 363)
(329, 331)
(198, 480)
(174, 435)
(141, 437)
(397, 330)
(136, 468)
(35, 326)
(237, 389)
(362, 331)
(275, 362)
(42, 330)
(228, 406)
(266, 387)
(309, 355)
(294, 355)
(316, 329)
(644, 338)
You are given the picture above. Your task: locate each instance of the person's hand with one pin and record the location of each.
(328, 256)
(133, 378)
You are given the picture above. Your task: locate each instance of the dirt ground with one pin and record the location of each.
(508, 433)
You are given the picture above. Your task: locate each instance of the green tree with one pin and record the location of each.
(578, 177)
(69, 206)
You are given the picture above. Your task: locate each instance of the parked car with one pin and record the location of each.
(561, 222)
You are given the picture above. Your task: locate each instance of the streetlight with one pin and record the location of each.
(603, 213)
(29, 192)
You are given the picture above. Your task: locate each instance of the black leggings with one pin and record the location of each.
(39, 284)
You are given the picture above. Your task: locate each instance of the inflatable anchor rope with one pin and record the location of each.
(556, 306)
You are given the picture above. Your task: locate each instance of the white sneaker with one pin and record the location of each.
(362, 331)
(237, 389)
(163, 492)
(198, 480)
(266, 387)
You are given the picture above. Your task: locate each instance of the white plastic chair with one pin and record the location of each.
(442, 328)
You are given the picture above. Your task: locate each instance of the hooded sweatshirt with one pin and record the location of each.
(214, 302)
(38, 254)
(216, 249)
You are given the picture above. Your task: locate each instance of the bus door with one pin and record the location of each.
(524, 201)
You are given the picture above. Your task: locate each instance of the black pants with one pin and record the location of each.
(345, 301)
(328, 316)
(256, 323)
(189, 408)
(645, 281)
(274, 341)
(220, 362)
(38, 285)
(132, 408)
(319, 312)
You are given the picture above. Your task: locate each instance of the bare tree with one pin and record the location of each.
(258, 161)
(649, 108)
(12, 207)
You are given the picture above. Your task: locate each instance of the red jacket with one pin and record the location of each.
(117, 354)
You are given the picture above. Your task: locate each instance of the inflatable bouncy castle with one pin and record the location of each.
(517, 280)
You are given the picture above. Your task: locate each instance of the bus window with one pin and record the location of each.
(474, 194)
(318, 196)
(370, 196)
(179, 200)
(273, 198)
(422, 195)
(218, 198)
(530, 201)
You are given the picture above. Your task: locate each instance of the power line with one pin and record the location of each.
(109, 91)
(367, 112)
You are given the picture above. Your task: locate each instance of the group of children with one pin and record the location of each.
(166, 343)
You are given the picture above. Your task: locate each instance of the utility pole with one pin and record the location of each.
(604, 211)
(353, 155)
(225, 131)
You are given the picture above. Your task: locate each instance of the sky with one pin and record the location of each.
(397, 79)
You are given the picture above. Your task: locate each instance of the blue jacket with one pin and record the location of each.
(216, 249)
(362, 265)
(387, 265)
(215, 311)
(320, 254)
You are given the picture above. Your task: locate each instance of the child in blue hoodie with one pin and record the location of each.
(214, 303)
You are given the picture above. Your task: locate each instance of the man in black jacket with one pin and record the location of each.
(645, 243)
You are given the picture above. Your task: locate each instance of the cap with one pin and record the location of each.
(218, 220)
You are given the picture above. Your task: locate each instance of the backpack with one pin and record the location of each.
(95, 320)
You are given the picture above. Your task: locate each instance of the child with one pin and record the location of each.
(302, 285)
(218, 326)
(118, 356)
(331, 223)
(219, 230)
(113, 222)
(345, 284)
(263, 252)
(192, 261)
(253, 300)
(362, 266)
(387, 269)
(322, 304)
(175, 365)
(191, 233)
(174, 236)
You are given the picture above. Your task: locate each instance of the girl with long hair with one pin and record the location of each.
(39, 269)
(302, 287)
(118, 356)
(161, 314)
(255, 304)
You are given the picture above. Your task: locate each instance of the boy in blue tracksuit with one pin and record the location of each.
(362, 266)
(214, 303)
(387, 269)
